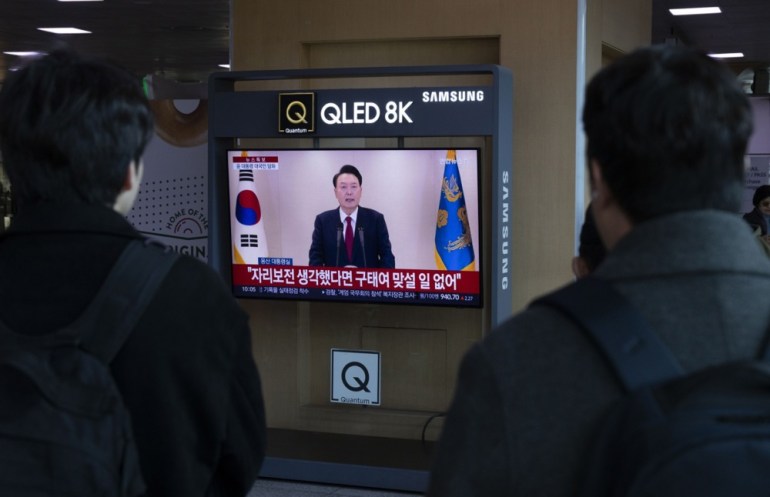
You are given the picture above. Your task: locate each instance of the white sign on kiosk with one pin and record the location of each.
(355, 377)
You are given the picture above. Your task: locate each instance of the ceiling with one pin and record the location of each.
(743, 26)
(182, 40)
(185, 40)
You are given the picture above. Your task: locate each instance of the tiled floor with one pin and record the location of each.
(280, 488)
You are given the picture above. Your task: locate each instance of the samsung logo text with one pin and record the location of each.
(453, 96)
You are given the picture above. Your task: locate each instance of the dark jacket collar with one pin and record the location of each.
(686, 242)
(71, 218)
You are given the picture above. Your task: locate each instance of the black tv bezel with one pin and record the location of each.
(479, 302)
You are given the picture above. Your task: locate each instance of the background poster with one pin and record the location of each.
(757, 174)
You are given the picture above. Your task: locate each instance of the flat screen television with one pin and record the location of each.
(429, 200)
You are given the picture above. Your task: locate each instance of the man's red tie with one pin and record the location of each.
(349, 237)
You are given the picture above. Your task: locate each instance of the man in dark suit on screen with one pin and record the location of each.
(350, 235)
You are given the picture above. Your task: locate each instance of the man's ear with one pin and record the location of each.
(612, 223)
(128, 192)
(580, 267)
(133, 175)
(128, 180)
(600, 194)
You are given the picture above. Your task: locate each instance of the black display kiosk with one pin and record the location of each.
(282, 106)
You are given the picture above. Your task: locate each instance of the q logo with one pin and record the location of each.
(351, 377)
(355, 377)
(296, 113)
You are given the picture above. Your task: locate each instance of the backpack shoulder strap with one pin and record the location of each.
(634, 351)
(120, 302)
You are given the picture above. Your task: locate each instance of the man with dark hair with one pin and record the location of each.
(350, 235)
(667, 130)
(72, 135)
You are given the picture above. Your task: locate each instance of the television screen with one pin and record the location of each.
(412, 237)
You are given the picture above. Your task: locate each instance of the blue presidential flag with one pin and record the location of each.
(454, 246)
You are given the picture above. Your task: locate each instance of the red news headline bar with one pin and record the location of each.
(261, 158)
(416, 280)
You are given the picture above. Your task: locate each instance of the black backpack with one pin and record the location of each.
(701, 434)
(64, 430)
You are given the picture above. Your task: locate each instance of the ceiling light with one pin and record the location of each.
(65, 31)
(695, 11)
(225, 66)
(728, 55)
(23, 54)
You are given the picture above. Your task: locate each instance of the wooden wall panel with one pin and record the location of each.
(626, 24)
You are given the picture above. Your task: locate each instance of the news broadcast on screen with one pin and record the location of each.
(414, 236)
